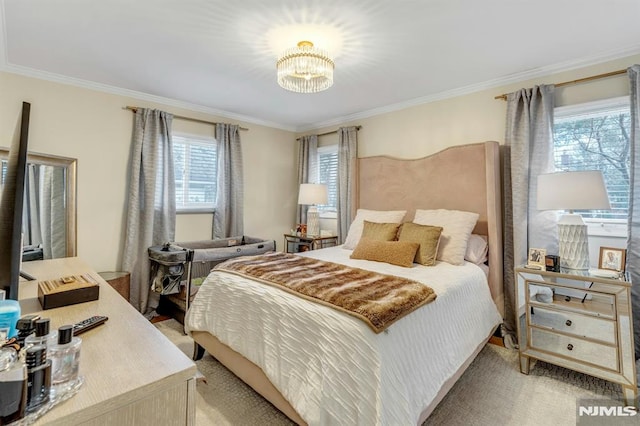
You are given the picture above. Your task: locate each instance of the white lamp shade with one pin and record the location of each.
(584, 190)
(312, 193)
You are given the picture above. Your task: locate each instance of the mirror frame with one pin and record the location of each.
(70, 165)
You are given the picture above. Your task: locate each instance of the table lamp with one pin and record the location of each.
(312, 194)
(583, 190)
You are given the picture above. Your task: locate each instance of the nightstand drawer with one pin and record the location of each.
(590, 303)
(573, 323)
(575, 348)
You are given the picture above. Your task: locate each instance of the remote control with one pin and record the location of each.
(88, 324)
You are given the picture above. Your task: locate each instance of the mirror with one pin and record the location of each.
(49, 218)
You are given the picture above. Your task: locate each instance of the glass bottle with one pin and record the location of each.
(38, 377)
(42, 335)
(13, 386)
(65, 360)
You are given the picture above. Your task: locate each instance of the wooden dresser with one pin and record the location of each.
(133, 375)
(579, 321)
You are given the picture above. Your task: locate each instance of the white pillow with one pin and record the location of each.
(477, 249)
(378, 216)
(456, 230)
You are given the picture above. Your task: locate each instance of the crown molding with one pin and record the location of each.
(76, 82)
(486, 85)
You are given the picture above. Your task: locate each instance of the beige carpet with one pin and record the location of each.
(492, 391)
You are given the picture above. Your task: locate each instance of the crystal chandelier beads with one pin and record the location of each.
(305, 69)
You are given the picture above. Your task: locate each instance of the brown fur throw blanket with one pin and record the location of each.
(379, 300)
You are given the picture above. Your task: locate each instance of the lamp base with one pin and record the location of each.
(573, 244)
(313, 221)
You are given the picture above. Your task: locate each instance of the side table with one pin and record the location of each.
(301, 243)
(580, 321)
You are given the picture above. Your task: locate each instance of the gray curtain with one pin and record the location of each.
(347, 178)
(307, 170)
(633, 241)
(228, 220)
(44, 217)
(528, 153)
(151, 210)
(53, 212)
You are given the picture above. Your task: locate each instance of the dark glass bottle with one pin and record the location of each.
(26, 326)
(38, 377)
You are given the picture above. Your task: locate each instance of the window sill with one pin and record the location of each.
(196, 211)
(599, 228)
(329, 215)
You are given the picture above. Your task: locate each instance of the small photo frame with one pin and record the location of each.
(612, 258)
(537, 257)
(552, 263)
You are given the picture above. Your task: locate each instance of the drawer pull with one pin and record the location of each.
(570, 346)
(567, 298)
(568, 323)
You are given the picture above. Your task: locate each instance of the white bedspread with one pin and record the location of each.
(330, 366)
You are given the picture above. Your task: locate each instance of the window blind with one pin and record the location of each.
(597, 140)
(195, 163)
(328, 175)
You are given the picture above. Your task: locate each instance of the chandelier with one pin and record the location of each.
(305, 69)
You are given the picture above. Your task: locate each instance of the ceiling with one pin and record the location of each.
(219, 56)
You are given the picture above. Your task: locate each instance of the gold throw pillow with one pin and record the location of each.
(380, 231)
(427, 236)
(399, 253)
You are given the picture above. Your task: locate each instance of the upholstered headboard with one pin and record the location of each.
(465, 177)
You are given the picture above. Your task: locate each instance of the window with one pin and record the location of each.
(328, 175)
(595, 136)
(195, 165)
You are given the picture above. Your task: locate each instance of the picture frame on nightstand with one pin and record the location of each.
(612, 259)
(536, 259)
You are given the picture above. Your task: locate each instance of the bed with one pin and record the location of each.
(321, 366)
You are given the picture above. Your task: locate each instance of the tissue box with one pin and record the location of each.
(67, 291)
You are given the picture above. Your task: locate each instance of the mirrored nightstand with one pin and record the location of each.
(580, 321)
(300, 243)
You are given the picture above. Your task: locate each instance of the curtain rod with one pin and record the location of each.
(331, 132)
(180, 117)
(580, 80)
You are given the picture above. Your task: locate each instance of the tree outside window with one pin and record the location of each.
(596, 137)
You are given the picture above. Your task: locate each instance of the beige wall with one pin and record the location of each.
(92, 127)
